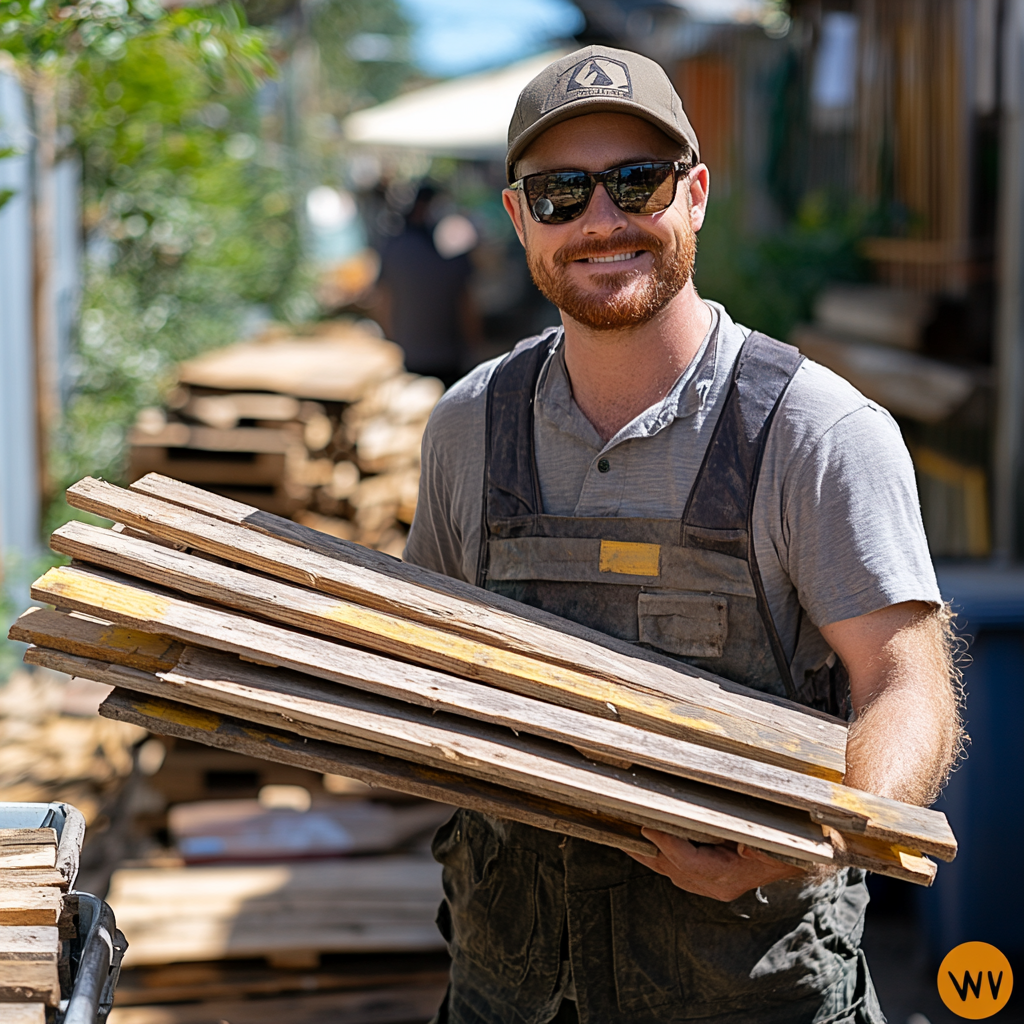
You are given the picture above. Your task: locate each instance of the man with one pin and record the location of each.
(650, 417)
(423, 298)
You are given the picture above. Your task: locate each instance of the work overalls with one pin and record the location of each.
(520, 900)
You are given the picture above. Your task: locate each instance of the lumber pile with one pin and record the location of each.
(324, 427)
(53, 746)
(278, 910)
(233, 627)
(256, 887)
(31, 901)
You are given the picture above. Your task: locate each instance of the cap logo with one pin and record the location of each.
(595, 76)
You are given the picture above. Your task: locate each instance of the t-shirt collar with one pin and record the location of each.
(686, 397)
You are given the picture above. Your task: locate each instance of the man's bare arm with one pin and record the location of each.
(905, 693)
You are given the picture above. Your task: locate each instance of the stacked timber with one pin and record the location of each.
(30, 904)
(34, 877)
(324, 427)
(229, 626)
(280, 892)
(54, 748)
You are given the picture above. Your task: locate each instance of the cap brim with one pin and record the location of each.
(592, 105)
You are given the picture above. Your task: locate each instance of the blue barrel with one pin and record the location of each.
(980, 896)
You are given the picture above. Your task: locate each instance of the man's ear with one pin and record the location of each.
(699, 183)
(514, 209)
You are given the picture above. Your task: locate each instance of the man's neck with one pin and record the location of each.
(616, 375)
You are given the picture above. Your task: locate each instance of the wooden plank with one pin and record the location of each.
(29, 856)
(27, 837)
(37, 905)
(23, 1013)
(833, 804)
(250, 440)
(265, 469)
(93, 638)
(28, 964)
(174, 719)
(365, 904)
(170, 718)
(393, 1005)
(322, 711)
(205, 982)
(724, 714)
(589, 693)
(32, 878)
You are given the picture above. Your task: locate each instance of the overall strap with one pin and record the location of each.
(511, 485)
(719, 511)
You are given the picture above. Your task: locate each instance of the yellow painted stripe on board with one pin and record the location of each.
(447, 651)
(182, 715)
(629, 559)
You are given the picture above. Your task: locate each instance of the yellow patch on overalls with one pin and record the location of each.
(630, 559)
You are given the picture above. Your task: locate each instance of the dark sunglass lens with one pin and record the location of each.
(644, 188)
(557, 198)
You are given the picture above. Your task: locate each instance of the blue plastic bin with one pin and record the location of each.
(980, 897)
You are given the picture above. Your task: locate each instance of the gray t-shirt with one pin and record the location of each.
(837, 524)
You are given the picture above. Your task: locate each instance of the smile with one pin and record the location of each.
(619, 258)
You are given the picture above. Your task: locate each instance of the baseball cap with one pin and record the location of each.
(597, 79)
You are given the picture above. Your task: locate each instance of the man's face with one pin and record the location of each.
(570, 263)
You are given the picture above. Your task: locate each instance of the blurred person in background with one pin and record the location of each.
(423, 300)
(788, 555)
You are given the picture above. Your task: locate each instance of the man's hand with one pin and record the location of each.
(718, 872)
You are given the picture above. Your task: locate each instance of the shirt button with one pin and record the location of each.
(603, 466)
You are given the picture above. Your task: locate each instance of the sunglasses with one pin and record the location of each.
(557, 197)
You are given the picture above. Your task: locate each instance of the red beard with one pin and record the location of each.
(625, 299)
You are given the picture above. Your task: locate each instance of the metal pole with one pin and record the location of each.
(1009, 340)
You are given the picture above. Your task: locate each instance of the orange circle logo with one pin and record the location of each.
(975, 980)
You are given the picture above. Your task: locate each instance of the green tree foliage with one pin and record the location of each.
(190, 222)
(188, 215)
(364, 50)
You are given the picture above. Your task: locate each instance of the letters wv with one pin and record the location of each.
(974, 985)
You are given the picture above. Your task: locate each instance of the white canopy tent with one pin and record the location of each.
(465, 117)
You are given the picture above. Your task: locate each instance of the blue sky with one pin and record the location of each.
(456, 36)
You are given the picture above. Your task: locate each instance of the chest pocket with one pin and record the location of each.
(691, 625)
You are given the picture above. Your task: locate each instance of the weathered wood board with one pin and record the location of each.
(323, 711)
(22, 1013)
(365, 904)
(393, 1005)
(30, 856)
(31, 878)
(169, 718)
(165, 717)
(28, 964)
(717, 713)
(30, 905)
(830, 803)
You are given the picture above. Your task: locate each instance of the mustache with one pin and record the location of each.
(634, 238)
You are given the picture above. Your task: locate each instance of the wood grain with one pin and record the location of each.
(322, 711)
(28, 964)
(30, 905)
(174, 719)
(832, 804)
(724, 715)
(170, 718)
(31, 878)
(399, 1005)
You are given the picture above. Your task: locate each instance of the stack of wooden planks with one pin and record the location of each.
(223, 624)
(323, 426)
(31, 891)
(288, 913)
